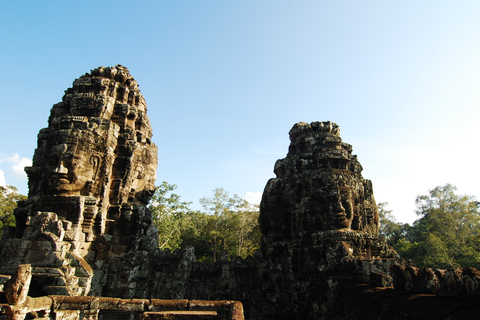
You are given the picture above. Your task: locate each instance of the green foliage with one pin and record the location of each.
(432, 251)
(233, 225)
(447, 234)
(9, 197)
(390, 229)
(452, 220)
(171, 216)
(227, 226)
(406, 249)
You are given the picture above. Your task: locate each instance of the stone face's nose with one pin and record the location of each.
(338, 207)
(61, 169)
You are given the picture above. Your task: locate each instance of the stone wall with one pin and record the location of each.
(89, 238)
(464, 283)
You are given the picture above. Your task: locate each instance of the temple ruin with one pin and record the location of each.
(92, 176)
(85, 246)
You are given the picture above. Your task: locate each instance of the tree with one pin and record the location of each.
(432, 251)
(9, 197)
(227, 225)
(171, 216)
(390, 229)
(248, 231)
(233, 225)
(447, 234)
(452, 219)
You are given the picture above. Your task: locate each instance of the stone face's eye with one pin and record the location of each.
(67, 156)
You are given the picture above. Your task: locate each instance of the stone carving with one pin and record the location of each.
(318, 187)
(463, 283)
(20, 306)
(318, 216)
(98, 142)
(92, 176)
(16, 288)
(86, 230)
(19, 303)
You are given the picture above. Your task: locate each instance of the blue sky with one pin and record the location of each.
(226, 80)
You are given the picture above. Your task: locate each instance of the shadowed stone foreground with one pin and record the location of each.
(85, 246)
(21, 306)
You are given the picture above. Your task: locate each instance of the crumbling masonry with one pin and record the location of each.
(85, 246)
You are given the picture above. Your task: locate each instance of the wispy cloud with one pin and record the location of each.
(253, 197)
(15, 165)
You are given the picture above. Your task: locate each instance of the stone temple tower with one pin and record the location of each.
(319, 222)
(85, 230)
(92, 176)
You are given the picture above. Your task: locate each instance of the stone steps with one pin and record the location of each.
(71, 279)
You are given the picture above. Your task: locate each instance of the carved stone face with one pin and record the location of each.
(143, 184)
(71, 170)
(341, 209)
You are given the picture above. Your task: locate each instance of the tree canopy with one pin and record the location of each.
(447, 234)
(9, 197)
(226, 227)
(171, 216)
